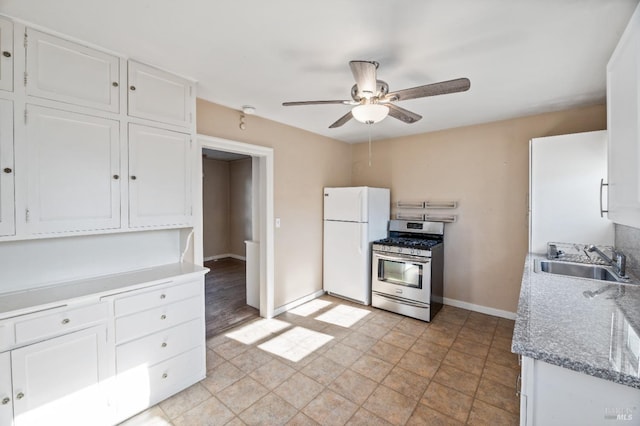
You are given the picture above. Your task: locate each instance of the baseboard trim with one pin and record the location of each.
(225, 255)
(297, 302)
(479, 308)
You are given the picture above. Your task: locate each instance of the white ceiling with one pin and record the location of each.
(522, 57)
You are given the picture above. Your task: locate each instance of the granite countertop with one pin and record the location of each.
(584, 325)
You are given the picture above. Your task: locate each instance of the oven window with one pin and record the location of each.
(403, 273)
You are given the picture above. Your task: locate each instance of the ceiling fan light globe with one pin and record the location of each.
(370, 113)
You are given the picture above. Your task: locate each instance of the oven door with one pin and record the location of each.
(404, 276)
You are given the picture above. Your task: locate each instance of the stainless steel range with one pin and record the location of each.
(407, 269)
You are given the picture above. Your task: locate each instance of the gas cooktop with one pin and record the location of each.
(417, 243)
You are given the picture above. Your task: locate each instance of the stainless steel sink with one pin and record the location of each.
(578, 270)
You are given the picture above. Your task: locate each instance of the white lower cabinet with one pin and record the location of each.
(552, 395)
(6, 393)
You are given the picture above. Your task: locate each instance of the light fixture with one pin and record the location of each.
(248, 110)
(370, 113)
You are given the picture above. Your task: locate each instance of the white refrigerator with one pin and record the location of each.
(353, 218)
(564, 190)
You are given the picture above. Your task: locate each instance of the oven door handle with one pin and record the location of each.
(403, 258)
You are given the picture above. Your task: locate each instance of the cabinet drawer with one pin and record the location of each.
(160, 346)
(157, 297)
(59, 322)
(6, 335)
(147, 322)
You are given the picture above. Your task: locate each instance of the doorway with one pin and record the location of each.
(260, 258)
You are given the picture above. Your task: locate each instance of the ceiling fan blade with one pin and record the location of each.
(317, 103)
(402, 114)
(441, 88)
(364, 72)
(348, 116)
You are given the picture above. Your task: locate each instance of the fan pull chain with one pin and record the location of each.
(370, 144)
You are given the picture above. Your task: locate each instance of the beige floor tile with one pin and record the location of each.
(482, 318)
(213, 359)
(429, 349)
(214, 341)
(450, 402)
(445, 327)
(272, 373)
(504, 322)
(359, 341)
(483, 414)
(298, 390)
(504, 331)
(336, 331)
(235, 422)
(329, 408)
(481, 326)
(386, 352)
(373, 330)
(399, 339)
(353, 386)
(270, 410)
(372, 367)
(406, 382)
(457, 379)
(242, 394)
(418, 364)
(501, 374)
(465, 362)
(387, 320)
(323, 370)
(343, 354)
(251, 359)
(470, 347)
(153, 416)
(498, 395)
(211, 412)
(412, 327)
(363, 417)
(504, 358)
(425, 416)
(185, 400)
(476, 336)
(302, 420)
(451, 316)
(222, 376)
(230, 349)
(301, 363)
(438, 337)
(501, 343)
(390, 405)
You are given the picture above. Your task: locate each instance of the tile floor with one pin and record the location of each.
(331, 362)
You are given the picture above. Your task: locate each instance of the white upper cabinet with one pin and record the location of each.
(159, 96)
(73, 176)
(623, 122)
(6, 54)
(69, 72)
(159, 177)
(6, 169)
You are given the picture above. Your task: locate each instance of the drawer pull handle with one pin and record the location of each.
(165, 375)
(20, 395)
(163, 317)
(163, 296)
(5, 400)
(164, 344)
(66, 321)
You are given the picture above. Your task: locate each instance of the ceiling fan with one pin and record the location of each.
(372, 101)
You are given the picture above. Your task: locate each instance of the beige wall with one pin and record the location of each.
(485, 169)
(304, 163)
(215, 207)
(239, 205)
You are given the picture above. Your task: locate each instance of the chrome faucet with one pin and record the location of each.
(618, 261)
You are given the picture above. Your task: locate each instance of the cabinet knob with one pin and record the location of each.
(6, 400)
(66, 321)
(163, 296)
(116, 177)
(133, 178)
(7, 170)
(6, 54)
(133, 88)
(163, 317)
(165, 375)
(115, 84)
(20, 395)
(163, 345)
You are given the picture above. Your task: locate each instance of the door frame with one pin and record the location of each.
(262, 223)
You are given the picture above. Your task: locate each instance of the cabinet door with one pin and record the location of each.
(73, 173)
(6, 169)
(623, 109)
(6, 54)
(6, 395)
(61, 381)
(159, 96)
(159, 177)
(65, 71)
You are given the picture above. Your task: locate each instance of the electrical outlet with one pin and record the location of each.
(277, 222)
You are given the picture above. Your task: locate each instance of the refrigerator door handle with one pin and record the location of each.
(601, 209)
